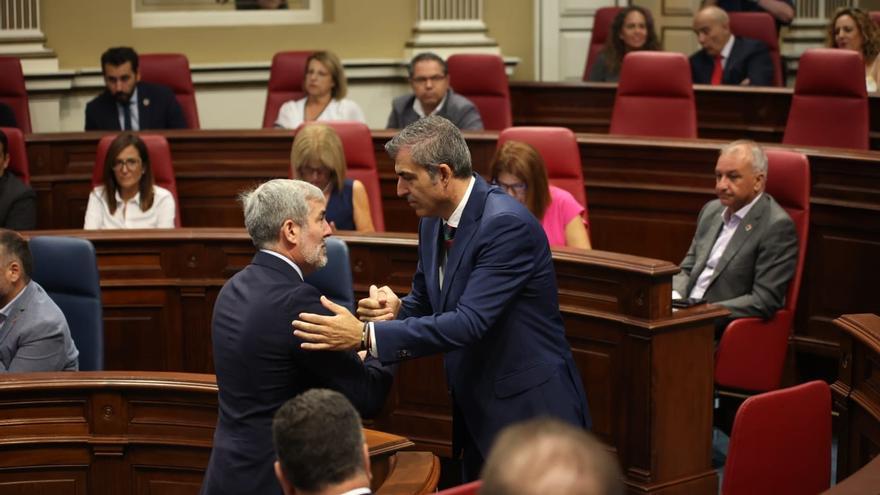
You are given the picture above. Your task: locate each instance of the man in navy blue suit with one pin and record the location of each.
(258, 360)
(484, 293)
(127, 103)
(725, 58)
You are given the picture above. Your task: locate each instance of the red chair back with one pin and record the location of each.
(601, 27)
(160, 161)
(481, 79)
(762, 27)
(172, 70)
(830, 104)
(360, 163)
(559, 149)
(471, 488)
(655, 96)
(18, 162)
(781, 443)
(285, 83)
(13, 92)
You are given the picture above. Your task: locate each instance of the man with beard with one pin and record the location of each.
(127, 103)
(258, 360)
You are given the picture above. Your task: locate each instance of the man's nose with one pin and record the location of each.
(401, 188)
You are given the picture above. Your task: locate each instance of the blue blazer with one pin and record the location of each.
(496, 318)
(749, 59)
(157, 109)
(260, 365)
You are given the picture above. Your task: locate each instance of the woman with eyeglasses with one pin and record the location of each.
(325, 87)
(128, 198)
(317, 157)
(519, 170)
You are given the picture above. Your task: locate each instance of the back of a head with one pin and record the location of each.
(544, 456)
(318, 440)
(269, 205)
(14, 247)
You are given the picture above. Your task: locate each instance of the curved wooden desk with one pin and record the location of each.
(140, 432)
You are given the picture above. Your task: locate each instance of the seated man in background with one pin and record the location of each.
(544, 456)
(432, 96)
(320, 445)
(127, 103)
(18, 203)
(725, 58)
(33, 331)
(7, 116)
(258, 360)
(744, 251)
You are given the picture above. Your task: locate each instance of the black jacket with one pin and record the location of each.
(157, 109)
(749, 59)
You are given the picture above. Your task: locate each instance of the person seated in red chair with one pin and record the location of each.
(18, 203)
(544, 456)
(852, 29)
(129, 197)
(744, 252)
(127, 103)
(519, 170)
(7, 116)
(326, 418)
(631, 30)
(429, 79)
(326, 88)
(725, 58)
(318, 158)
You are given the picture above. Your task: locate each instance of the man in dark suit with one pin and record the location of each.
(128, 103)
(258, 360)
(7, 116)
(727, 59)
(18, 203)
(484, 293)
(324, 418)
(744, 251)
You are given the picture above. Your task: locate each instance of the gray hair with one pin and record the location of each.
(269, 205)
(750, 149)
(431, 141)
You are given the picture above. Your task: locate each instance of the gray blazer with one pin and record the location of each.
(34, 335)
(753, 274)
(457, 109)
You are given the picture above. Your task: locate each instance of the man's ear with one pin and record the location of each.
(290, 232)
(446, 173)
(14, 271)
(286, 487)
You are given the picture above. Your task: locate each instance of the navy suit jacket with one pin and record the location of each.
(157, 109)
(260, 365)
(496, 318)
(748, 59)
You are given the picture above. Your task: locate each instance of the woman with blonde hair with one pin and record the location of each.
(326, 86)
(317, 157)
(852, 29)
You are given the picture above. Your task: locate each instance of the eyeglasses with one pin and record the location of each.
(424, 80)
(518, 188)
(129, 163)
(310, 171)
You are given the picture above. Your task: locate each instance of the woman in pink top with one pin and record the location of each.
(519, 169)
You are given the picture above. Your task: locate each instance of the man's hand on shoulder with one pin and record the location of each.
(383, 304)
(340, 332)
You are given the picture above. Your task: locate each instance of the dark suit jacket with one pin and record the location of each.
(497, 319)
(18, 203)
(457, 109)
(7, 116)
(157, 109)
(753, 274)
(260, 365)
(749, 59)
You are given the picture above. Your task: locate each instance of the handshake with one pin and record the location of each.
(382, 304)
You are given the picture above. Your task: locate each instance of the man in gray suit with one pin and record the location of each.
(33, 332)
(432, 95)
(744, 251)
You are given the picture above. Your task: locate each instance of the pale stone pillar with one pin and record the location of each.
(450, 26)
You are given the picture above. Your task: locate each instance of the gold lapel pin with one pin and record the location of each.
(748, 227)
(146, 102)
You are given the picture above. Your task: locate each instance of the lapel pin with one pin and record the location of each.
(146, 102)
(748, 227)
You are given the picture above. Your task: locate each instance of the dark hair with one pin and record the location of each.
(524, 161)
(5, 142)
(145, 187)
(423, 57)
(15, 246)
(615, 49)
(867, 28)
(119, 55)
(431, 141)
(318, 439)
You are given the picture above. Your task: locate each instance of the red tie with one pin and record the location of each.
(717, 71)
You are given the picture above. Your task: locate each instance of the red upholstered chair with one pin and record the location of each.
(781, 443)
(471, 488)
(172, 70)
(481, 78)
(762, 27)
(285, 83)
(360, 163)
(830, 104)
(18, 161)
(601, 27)
(13, 92)
(751, 352)
(160, 160)
(655, 96)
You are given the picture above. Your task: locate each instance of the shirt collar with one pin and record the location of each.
(742, 212)
(358, 491)
(456, 215)
(136, 199)
(286, 260)
(728, 47)
(417, 106)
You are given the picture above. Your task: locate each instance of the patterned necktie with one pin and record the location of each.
(448, 236)
(717, 71)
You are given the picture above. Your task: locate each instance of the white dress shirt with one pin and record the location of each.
(128, 214)
(292, 114)
(420, 110)
(725, 52)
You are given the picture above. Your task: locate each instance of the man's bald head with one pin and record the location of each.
(712, 27)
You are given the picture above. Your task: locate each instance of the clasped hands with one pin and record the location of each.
(343, 331)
